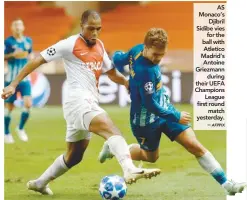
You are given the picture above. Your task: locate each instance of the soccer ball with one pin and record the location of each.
(112, 187)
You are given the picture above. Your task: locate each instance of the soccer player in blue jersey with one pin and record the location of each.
(17, 49)
(152, 113)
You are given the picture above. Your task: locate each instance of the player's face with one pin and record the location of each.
(155, 54)
(17, 27)
(91, 30)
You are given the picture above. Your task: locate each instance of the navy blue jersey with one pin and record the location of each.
(16, 64)
(148, 99)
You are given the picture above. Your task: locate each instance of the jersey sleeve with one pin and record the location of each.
(58, 50)
(107, 63)
(120, 59)
(7, 47)
(147, 92)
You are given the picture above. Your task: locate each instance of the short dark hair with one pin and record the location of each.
(156, 37)
(85, 15)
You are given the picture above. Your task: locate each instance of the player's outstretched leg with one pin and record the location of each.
(207, 161)
(8, 138)
(61, 165)
(103, 126)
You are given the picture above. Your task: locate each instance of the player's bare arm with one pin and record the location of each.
(117, 77)
(30, 67)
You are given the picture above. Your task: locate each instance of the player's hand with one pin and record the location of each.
(185, 118)
(8, 91)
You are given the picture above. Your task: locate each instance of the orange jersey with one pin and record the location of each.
(83, 64)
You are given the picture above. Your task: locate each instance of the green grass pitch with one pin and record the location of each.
(181, 178)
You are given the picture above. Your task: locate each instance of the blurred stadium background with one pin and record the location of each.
(124, 25)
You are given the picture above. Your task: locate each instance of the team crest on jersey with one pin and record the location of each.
(51, 51)
(149, 86)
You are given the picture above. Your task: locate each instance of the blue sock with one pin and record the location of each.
(7, 119)
(24, 118)
(219, 175)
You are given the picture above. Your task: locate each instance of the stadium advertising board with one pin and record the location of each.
(178, 86)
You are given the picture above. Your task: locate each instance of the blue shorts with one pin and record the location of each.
(24, 88)
(149, 136)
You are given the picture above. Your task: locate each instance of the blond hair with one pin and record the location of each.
(156, 37)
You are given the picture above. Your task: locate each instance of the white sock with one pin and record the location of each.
(55, 170)
(208, 162)
(134, 145)
(212, 166)
(120, 150)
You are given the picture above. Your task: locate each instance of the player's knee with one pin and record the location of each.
(28, 104)
(9, 107)
(153, 159)
(108, 127)
(103, 126)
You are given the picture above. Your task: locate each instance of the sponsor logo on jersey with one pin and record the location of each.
(94, 66)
